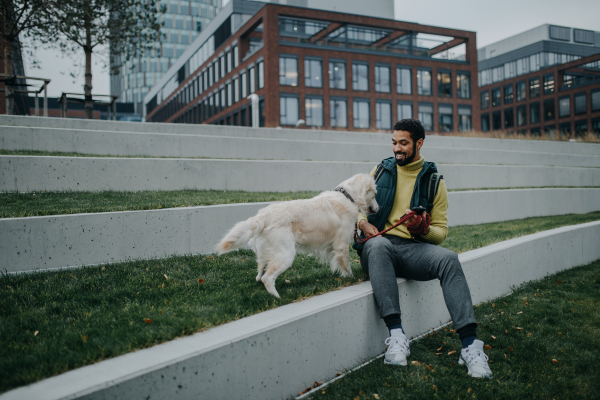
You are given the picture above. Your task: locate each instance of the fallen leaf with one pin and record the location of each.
(102, 269)
(361, 392)
(510, 349)
(357, 398)
(525, 302)
(72, 276)
(524, 298)
(287, 281)
(84, 338)
(35, 333)
(487, 347)
(434, 388)
(560, 333)
(160, 311)
(469, 390)
(437, 354)
(316, 384)
(440, 348)
(427, 336)
(376, 396)
(493, 337)
(506, 331)
(166, 277)
(451, 352)
(148, 321)
(520, 312)
(452, 330)
(429, 368)
(505, 356)
(493, 304)
(201, 281)
(529, 334)
(555, 361)
(519, 329)
(558, 282)
(356, 261)
(338, 374)
(417, 363)
(163, 285)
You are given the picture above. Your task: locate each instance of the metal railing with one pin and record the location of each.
(44, 87)
(65, 100)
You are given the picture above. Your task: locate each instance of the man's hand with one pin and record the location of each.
(418, 224)
(368, 229)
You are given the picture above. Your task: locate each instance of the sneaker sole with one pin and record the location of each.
(394, 363)
(462, 362)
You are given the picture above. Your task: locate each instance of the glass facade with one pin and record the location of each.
(403, 80)
(360, 77)
(288, 71)
(288, 110)
(564, 107)
(361, 113)
(465, 123)
(426, 116)
(446, 123)
(521, 91)
(424, 82)
(405, 110)
(337, 75)
(534, 113)
(382, 79)
(314, 111)
(580, 103)
(485, 99)
(444, 79)
(463, 85)
(313, 73)
(383, 115)
(338, 114)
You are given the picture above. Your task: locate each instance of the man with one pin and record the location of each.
(409, 250)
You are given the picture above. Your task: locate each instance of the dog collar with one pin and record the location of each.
(342, 191)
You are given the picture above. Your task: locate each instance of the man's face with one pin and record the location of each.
(405, 149)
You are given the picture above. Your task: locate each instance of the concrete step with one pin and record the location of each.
(60, 241)
(196, 145)
(35, 173)
(331, 332)
(544, 146)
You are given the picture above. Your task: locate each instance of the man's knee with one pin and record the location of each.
(376, 245)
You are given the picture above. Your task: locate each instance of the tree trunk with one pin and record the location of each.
(87, 88)
(8, 85)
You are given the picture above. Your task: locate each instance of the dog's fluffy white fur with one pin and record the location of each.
(322, 226)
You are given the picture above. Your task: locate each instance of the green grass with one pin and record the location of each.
(52, 322)
(560, 320)
(32, 204)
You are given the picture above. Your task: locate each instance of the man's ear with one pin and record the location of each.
(420, 143)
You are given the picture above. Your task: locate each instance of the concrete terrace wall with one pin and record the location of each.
(32, 173)
(278, 353)
(545, 146)
(186, 145)
(52, 242)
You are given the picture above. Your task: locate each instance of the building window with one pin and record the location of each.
(534, 113)
(580, 102)
(229, 95)
(565, 129)
(464, 119)
(581, 128)
(360, 77)
(596, 126)
(337, 75)
(288, 110)
(595, 100)
(243, 117)
(446, 124)
(223, 98)
(222, 65)
(313, 73)
(236, 91)
(260, 67)
(550, 131)
(497, 120)
(444, 79)
(236, 57)
(361, 112)
(535, 132)
(521, 115)
(405, 110)
(463, 85)
(403, 80)
(485, 99)
(508, 94)
(549, 110)
(424, 83)
(382, 79)
(243, 85)
(251, 80)
(496, 97)
(426, 116)
(383, 115)
(549, 84)
(534, 88)
(485, 122)
(338, 115)
(521, 91)
(509, 118)
(564, 107)
(228, 58)
(288, 71)
(314, 111)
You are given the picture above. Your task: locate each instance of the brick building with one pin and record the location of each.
(333, 70)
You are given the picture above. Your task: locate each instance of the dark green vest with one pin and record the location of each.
(387, 177)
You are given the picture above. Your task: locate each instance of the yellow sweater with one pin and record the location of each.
(407, 176)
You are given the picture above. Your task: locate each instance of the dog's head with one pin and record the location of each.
(362, 188)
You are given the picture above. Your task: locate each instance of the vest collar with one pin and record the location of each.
(413, 166)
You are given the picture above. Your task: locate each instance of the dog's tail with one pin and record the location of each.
(240, 234)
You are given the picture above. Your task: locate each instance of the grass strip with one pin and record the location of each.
(44, 153)
(53, 322)
(33, 204)
(545, 344)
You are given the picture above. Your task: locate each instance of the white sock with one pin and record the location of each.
(397, 333)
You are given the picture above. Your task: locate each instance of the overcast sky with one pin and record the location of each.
(492, 21)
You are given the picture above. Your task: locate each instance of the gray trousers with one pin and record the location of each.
(388, 257)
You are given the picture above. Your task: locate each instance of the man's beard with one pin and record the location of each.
(407, 160)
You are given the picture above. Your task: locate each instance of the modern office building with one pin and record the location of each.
(331, 69)
(545, 81)
(183, 22)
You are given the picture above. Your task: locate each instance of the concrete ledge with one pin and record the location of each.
(545, 146)
(32, 173)
(87, 239)
(196, 145)
(276, 354)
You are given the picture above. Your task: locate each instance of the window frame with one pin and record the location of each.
(308, 60)
(286, 96)
(420, 81)
(560, 99)
(419, 113)
(508, 95)
(308, 98)
(518, 92)
(284, 76)
(441, 124)
(356, 101)
(379, 118)
(399, 68)
(338, 99)
(355, 82)
(331, 64)
(575, 96)
(442, 86)
(377, 71)
(401, 103)
(533, 90)
(458, 85)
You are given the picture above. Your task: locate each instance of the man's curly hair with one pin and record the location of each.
(413, 126)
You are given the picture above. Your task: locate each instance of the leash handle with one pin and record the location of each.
(402, 220)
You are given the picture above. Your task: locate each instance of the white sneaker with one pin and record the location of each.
(476, 360)
(397, 350)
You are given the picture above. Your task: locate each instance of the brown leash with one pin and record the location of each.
(402, 220)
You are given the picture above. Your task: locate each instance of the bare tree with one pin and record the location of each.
(16, 17)
(131, 26)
